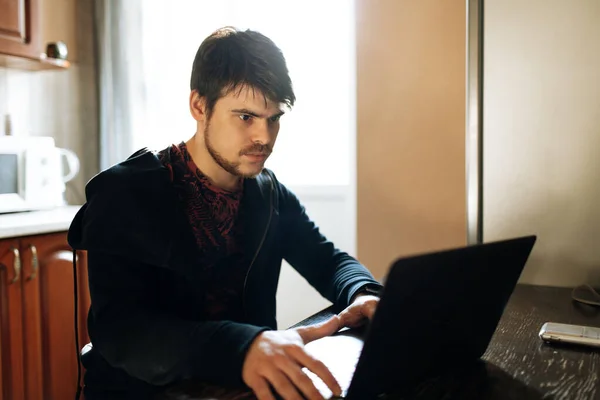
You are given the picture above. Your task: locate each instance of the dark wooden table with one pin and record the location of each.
(517, 364)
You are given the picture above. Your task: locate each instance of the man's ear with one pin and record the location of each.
(198, 106)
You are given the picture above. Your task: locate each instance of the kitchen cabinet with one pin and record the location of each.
(38, 358)
(11, 327)
(20, 28)
(27, 26)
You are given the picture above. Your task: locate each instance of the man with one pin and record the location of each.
(185, 246)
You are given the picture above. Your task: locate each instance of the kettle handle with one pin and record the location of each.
(73, 162)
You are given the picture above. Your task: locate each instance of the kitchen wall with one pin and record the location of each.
(59, 103)
(542, 134)
(410, 128)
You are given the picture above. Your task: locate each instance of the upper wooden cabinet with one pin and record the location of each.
(19, 28)
(26, 28)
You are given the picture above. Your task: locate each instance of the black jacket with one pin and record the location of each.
(145, 321)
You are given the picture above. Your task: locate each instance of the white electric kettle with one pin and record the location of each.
(72, 164)
(65, 166)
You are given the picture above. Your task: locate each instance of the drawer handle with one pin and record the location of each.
(16, 264)
(34, 262)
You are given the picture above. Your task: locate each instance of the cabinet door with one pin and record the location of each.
(51, 366)
(19, 21)
(11, 323)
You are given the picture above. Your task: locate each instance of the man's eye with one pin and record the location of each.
(245, 117)
(275, 118)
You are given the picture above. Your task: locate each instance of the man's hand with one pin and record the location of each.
(277, 358)
(362, 309)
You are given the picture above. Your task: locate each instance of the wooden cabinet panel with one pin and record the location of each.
(34, 385)
(51, 356)
(12, 19)
(19, 28)
(38, 356)
(11, 325)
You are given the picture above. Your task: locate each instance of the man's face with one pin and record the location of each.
(241, 132)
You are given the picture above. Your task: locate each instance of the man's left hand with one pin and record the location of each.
(362, 309)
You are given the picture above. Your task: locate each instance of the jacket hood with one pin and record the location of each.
(127, 209)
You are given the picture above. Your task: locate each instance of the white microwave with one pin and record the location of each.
(31, 173)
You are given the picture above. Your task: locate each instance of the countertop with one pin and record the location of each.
(36, 222)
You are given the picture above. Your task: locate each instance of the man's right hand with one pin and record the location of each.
(277, 358)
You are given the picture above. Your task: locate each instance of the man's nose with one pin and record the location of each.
(263, 133)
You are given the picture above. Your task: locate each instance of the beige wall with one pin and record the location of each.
(542, 134)
(410, 128)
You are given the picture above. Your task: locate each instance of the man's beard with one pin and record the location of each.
(233, 167)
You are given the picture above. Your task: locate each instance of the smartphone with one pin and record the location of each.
(553, 332)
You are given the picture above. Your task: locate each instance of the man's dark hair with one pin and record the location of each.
(230, 59)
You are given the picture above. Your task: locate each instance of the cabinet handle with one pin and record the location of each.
(16, 264)
(34, 262)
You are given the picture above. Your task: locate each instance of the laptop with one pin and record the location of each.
(437, 310)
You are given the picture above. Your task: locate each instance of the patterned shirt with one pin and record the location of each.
(213, 216)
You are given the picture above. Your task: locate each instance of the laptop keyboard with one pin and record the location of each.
(342, 375)
(340, 354)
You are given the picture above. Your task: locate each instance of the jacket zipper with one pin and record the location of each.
(262, 240)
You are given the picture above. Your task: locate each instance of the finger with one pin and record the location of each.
(314, 332)
(319, 369)
(261, 390)
(351, 317)
(301, 380)
(282, 385)
(368, 309)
